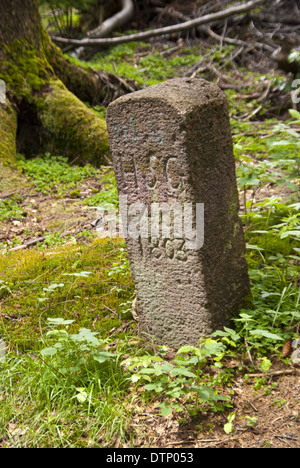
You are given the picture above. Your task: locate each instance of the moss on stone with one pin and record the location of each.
(75, 129)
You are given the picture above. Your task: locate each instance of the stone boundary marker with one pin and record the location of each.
(2, 92)
(171, 146)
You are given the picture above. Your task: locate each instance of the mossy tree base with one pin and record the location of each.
(45, 93)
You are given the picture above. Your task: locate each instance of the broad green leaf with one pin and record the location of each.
(146, 370)
(107, 354)
(295, 114)
(229, 429)
(283, 235)
(166, 411)
(167, 367)
(207, 394)
(254, 247)
(100, 359)
(53, 286)
(59, 321)
(103, 356)
(189, 349)
(264, 364)
(245, 318)
(49, 351)
(86, 334)
(228, 332)
(57, 333)
(82, 395)
(213, 347)
(135, 378)
(182, 371)
(157, 387)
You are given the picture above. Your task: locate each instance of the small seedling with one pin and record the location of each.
(229, 427)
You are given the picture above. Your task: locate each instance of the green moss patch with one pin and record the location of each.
(23, 70)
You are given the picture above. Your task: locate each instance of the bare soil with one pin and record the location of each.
(45, 214)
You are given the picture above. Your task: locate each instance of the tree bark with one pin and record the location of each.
(44, 109)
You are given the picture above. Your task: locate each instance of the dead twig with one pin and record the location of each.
(28, 244)
(114, 21)
(239, 42)
(34, 242)
(256, 111)
(274, 373)
(286, 437)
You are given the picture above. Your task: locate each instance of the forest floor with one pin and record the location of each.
(271, 401)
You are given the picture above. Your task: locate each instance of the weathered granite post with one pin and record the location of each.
(172, 152)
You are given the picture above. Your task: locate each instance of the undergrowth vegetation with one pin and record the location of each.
(75, 369)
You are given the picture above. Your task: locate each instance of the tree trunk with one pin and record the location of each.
(44, 109)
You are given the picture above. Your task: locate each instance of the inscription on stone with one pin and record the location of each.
(172, 153)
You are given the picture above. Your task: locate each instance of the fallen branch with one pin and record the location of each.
(274, 373)
(28, 244)
(221, 15)
(38, 240)
(229, 40)
(286, 437)
(112, 23)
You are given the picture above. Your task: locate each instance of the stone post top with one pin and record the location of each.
(183, 94)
